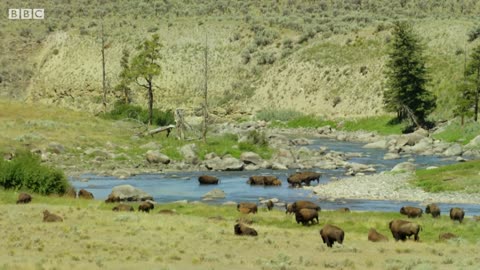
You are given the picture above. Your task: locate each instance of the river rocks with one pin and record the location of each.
(353, 168)
(226, 163)
(453, 150)
(325, 130)
(189, 152)
(214, 194)
(210, 155)
(382, 144)
(404, 167)
(278, 166)
(129, 193)
(157, 157)
(389, 156)
(423, 146)
(251, 158)
(300, 141)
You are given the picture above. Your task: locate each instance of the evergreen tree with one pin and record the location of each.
(473, 72)
(406, 73)
(125, 77)
(144, 68)
(465, 101)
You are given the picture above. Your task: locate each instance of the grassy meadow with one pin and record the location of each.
(200, 236)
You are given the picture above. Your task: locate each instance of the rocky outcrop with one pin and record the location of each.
(226, 163)
(404, 167)
(129, 193)
(157, 157)
(251, 158)
(214, 194)
(454, 150)
(189, 152)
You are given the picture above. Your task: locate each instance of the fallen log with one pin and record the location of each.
(167, 129)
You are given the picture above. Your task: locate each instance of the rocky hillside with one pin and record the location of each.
(324, 57)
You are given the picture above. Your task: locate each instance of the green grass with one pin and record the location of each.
(379, 124)
(455, 132)
(457, 177)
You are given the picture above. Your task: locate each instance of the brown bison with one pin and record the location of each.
(375, 236)
(24, 198)
(331, 233)
(299, 178)
(84, 194)
(411, 212)
(447, 236)
(433, 209)
(49, 217)
(247, 207)
(304, 204)
(457, 214)
(401, 229)
(264, 181)
(306, 215)
(289, 208)
(207, 180)
(343, 210)
(123, 208)
(242, 229)
(112, 198)
(269, 205)
(146, 207)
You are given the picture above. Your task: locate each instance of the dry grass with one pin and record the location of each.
(92, 236)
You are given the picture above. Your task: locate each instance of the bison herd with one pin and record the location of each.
(295, 180)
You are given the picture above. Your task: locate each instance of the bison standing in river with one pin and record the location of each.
(207, 180)
(299, 178)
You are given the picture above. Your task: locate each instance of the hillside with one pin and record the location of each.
(321, 57)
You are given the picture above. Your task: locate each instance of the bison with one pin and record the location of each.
(241, 229)
(330, 234)
(24, 198)
(264, 181)
(299, 178)
(289, 208)
(411, 212)
(247, 207)
(375, 236)
(207, 180)
(145, 207)
(112, 198)
(457, 214)
(306, 215)
(269, 205)
(123, 207)
(304, 204)
(343, 210)
(401, 229)
(84, 194)
(433, 209)
(49, 217)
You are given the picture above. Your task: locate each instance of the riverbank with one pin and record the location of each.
(387, 186)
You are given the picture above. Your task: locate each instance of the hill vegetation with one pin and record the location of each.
(321, 57)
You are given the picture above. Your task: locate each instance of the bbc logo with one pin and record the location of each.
(26, 14)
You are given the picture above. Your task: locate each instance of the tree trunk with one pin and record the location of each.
(103, 72)
(150, 101)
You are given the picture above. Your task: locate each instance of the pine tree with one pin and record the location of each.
(406, 73)
(125, 77)
(473, 72)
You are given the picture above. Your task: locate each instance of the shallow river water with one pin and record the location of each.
(169, 187)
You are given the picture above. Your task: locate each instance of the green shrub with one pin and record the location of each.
(125, 111)
(26, 172)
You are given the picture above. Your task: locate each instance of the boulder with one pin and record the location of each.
(214, 194)
(278, 166)
(382, 144)
(424, 145)
(324, 130)
(404, 167)
(454, 150)
(210, 155)
(189, 152)
(251, 158)
(474, 143)
(129, 193)
(224, 164)
(251, 167)
(157, 157)
(354, 168)
(389, 156)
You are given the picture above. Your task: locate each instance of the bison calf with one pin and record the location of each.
(401, 229)
(457, 214)
(411, 212)
(331, 233)
(433, 209)
(84, 194)
(241, 229)
(49, 217)
(306, 215)
(375, 236)
(24, 198)
(145, 207)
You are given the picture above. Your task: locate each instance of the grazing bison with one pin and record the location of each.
(145, 207)
(447, 236)
(401, 229)
(242, 229)
(24, 198)
(375, 236)
(299, 178)
(112, 198)
(304, 204)
(306, 215)
(247, 207)
(289, 208)
(411, 212)
(331, 233)
(269, 205)
(433, 209)
(457, 214)
(123, 208)
(84, 194)
(207, 180)
(343, 210)
(49, 217)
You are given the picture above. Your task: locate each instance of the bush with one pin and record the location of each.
(266, 58)
(123, 111)
(26, 172)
